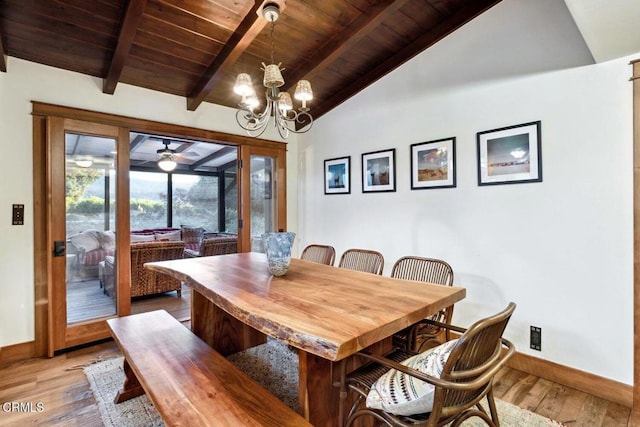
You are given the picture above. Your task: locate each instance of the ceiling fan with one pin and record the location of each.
(167, 156)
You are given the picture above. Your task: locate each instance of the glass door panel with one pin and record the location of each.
(90, 221)
(263, 199)
(263, 195)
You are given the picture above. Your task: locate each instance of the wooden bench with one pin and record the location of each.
(189, 383)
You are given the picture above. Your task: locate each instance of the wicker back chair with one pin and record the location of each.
(428, 270)
(148, 282)
(466, 378)
(214, 246)
(322, 254)
(362, 260)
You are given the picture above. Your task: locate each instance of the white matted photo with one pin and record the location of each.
(433, 164)
(337, 175)
(510, 155)
(379, 171)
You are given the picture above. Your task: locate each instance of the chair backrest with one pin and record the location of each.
(219, 246)
(473, 362)
(362, 260)
(143, 279)
(322, 254)
(428, 270)
(421, 269)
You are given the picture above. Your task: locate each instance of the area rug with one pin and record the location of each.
(107, 377)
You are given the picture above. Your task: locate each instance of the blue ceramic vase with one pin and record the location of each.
(277, 246)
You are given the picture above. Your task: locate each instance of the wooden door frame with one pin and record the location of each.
(635, 412)
(42, 257)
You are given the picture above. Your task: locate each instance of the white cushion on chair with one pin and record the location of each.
(401, 394)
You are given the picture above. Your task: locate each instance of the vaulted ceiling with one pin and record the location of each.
(195, 48)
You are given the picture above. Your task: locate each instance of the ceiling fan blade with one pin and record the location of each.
(189, 154)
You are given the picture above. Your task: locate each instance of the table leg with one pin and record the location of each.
(131, 387)
(317, 394)
(221, 331)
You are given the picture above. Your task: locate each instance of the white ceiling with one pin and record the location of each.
(610, 28)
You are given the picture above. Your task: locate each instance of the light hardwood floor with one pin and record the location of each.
(59, 383)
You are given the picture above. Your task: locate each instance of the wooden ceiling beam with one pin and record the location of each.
(429, 38)
(242, 37)
(130, 24)
(344, 41)
(3, 54)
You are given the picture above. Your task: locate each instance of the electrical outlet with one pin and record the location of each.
(18, 215)
(535, 338)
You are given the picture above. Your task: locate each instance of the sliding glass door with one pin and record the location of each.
(86, 229)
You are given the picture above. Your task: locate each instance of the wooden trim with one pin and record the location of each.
(40, 225)
(56, 219)
(150, 126)
(17, 352)
(123, 225)
(604, 388)
(635, 412)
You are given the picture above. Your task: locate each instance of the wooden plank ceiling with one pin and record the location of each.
(195, 48)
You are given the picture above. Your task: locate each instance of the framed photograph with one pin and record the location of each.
(510, 155)
(379, 171)
(337, 175)
(433, 164)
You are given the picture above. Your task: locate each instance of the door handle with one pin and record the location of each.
(59, 248)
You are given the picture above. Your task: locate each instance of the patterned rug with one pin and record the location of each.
(106, 378)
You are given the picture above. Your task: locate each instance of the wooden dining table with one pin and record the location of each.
(327, 313)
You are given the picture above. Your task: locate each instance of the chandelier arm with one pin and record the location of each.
(254, 124)
(301, 117)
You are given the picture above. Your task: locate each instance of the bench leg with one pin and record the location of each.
(131, 387)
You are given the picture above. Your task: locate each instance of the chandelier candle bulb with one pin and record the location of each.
(284, 102)
(244, 85)
(303, 92)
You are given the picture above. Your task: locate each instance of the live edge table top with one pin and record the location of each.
(327, 311)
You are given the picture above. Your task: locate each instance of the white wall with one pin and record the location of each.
(561, 249)
(27, 81)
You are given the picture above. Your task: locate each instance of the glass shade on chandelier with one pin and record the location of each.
(278, 103)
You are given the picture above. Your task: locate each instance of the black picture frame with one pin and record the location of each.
(510, 155)
(337, 175)
(433, 164)
(379, 171)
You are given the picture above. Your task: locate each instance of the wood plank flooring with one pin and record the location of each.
(59, 383)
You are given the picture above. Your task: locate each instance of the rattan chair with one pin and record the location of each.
(322, 254)
(214, 246)
(428, 270)
(466, 378)
(362, 260)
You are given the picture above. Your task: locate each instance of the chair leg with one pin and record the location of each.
(179, 293)
(343, 392)
(492, 407)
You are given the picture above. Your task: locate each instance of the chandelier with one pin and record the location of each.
(278, 104)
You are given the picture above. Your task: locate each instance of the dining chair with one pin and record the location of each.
(458, 375)
(362, 260)
(428, 270)
(322, 254)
